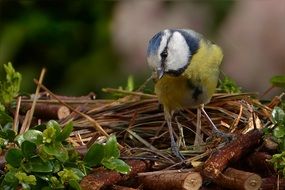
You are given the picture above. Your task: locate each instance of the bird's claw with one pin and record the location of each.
(226, 136)
(176, 152)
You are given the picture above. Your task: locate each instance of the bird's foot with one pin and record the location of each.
(176, 152)
(226, 136)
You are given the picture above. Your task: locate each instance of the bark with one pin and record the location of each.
(102, 178)
(273, 183)
(46, 111)
(258, 162)
(172, 180)
(117, 187)
(240, 180)
(232, 152)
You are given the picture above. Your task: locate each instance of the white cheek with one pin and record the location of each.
(178, 52)
(153, 62)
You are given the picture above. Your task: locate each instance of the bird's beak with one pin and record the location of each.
(159, 73)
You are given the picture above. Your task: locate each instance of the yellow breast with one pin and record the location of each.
(171, 91)
(196, 85)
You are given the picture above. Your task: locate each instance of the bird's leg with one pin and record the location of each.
(216, 131)
(198, 137)
(174, 147)
(181, 139)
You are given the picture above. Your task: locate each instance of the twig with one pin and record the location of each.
(47, 111)
(271, 183)
(258, 162)
(117, 187)
(171, 179)
(231, 152)
(101, 178)
(16, 117)
(30, 116)
(141, 94)
(141, 140)
(91, 120)
(239, 180)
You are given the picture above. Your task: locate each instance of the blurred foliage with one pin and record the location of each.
(43, 158)
(278, 81)
(228, 85)
(72, 39)
(278, 159)
(10, 87)
(220, 10)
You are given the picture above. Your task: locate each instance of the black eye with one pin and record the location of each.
(164, 54)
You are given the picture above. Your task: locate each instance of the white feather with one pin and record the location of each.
(154, 60)
(178, 53)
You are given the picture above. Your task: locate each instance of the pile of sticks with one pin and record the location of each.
(137, 119)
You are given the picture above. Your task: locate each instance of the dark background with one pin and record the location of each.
(87, 45)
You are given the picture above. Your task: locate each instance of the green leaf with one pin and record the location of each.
(29, 149)
(67, 175)
(36, 164)
(40, 127)
(117, 165)
(74, 184)
(10, 177)
(78, 172)
(5, 118)
(31, 135)
(14, 157)
(281, 144)
(55, 183)
(278, 81)
(51, 132)
(25, 179)
(228, 85)
(65, 132)
(55, 125)
(8, 134)
(111, 148)
(95, 155)
(131, 84)
(279, 131)
(57, 150)
(278, 115)
(57, 166)
(11, 86)
(11, 180)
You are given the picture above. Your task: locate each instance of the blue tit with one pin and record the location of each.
(185, 69)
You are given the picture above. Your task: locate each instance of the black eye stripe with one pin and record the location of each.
(164, 53)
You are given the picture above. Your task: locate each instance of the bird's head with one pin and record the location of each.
(170, 51)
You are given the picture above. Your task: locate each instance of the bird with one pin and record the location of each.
(185, 68)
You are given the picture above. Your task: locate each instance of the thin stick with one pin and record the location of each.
(141, 140)
(164, 172)
(91, 120)
(129, 92)
(16, 119)
(35, 99)
(267, 91)
(144, 84)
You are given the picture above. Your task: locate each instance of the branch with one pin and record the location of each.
(46, 111)
(258, 162)
(101, 178)
(233, 151)
(171, 179)
(273, 183)
(237, 179)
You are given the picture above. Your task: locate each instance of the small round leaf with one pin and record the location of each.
(278, 81)
(14, 157)
(29, 149)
